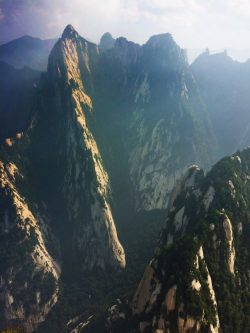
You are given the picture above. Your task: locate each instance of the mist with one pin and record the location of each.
(195, 24)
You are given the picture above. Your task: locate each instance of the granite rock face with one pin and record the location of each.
(55, 192)
(163, 125)
(199, 275)
(83, 183)
(29, 272)
(119, 125)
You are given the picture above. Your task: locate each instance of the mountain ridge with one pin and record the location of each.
(195, 280)
(27, 51)
(112, 130)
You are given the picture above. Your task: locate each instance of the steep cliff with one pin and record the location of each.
(113, 129)
(198, 280)
(55, 192)
(150, 95)
(63, 141)
(28, 273)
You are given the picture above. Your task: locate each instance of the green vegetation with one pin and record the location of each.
(230, 179)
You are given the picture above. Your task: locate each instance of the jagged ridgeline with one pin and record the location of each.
(54, 177)
(117, 116)
(198, 280)
(147, 98)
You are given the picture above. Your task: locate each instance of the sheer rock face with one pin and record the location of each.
(53, 178)
(195, 280)
(144, 97)
(163, 94)
(84, 182)
(163, 123)
(147, 97)
(28, 273)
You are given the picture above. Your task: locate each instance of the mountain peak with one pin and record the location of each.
(107, 41)
(160, 39)
(107, 35)
(70, 32)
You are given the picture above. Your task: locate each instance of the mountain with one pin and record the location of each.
(193, 54)
(109, 131)
(17, 90)
(29, 272)
(198, 280)
(107, 41)
(80, 181)
(224, 86)
(240, 55)
(27, 51)
(120, 118)
(55, 193)
(147, 96)
(146, 90)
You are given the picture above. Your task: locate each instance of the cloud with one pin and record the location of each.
(193, 23)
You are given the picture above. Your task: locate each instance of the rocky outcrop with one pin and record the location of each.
(229, 239)
(27, 267)
(195, 280)
(148, 100)
(152, 91)
(83, 183)
(77, 324)
(216, 325)
(164, 91)
(208, 197)
(148, 290)
(53, 178)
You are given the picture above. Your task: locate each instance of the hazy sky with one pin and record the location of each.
(193, 23)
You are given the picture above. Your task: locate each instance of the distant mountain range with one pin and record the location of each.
(236, 54)
(33, 52)
(225, 87)
(17, 87)
(27, 51)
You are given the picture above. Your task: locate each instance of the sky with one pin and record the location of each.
(216, 24)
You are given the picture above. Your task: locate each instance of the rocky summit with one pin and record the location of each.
(98, 154)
